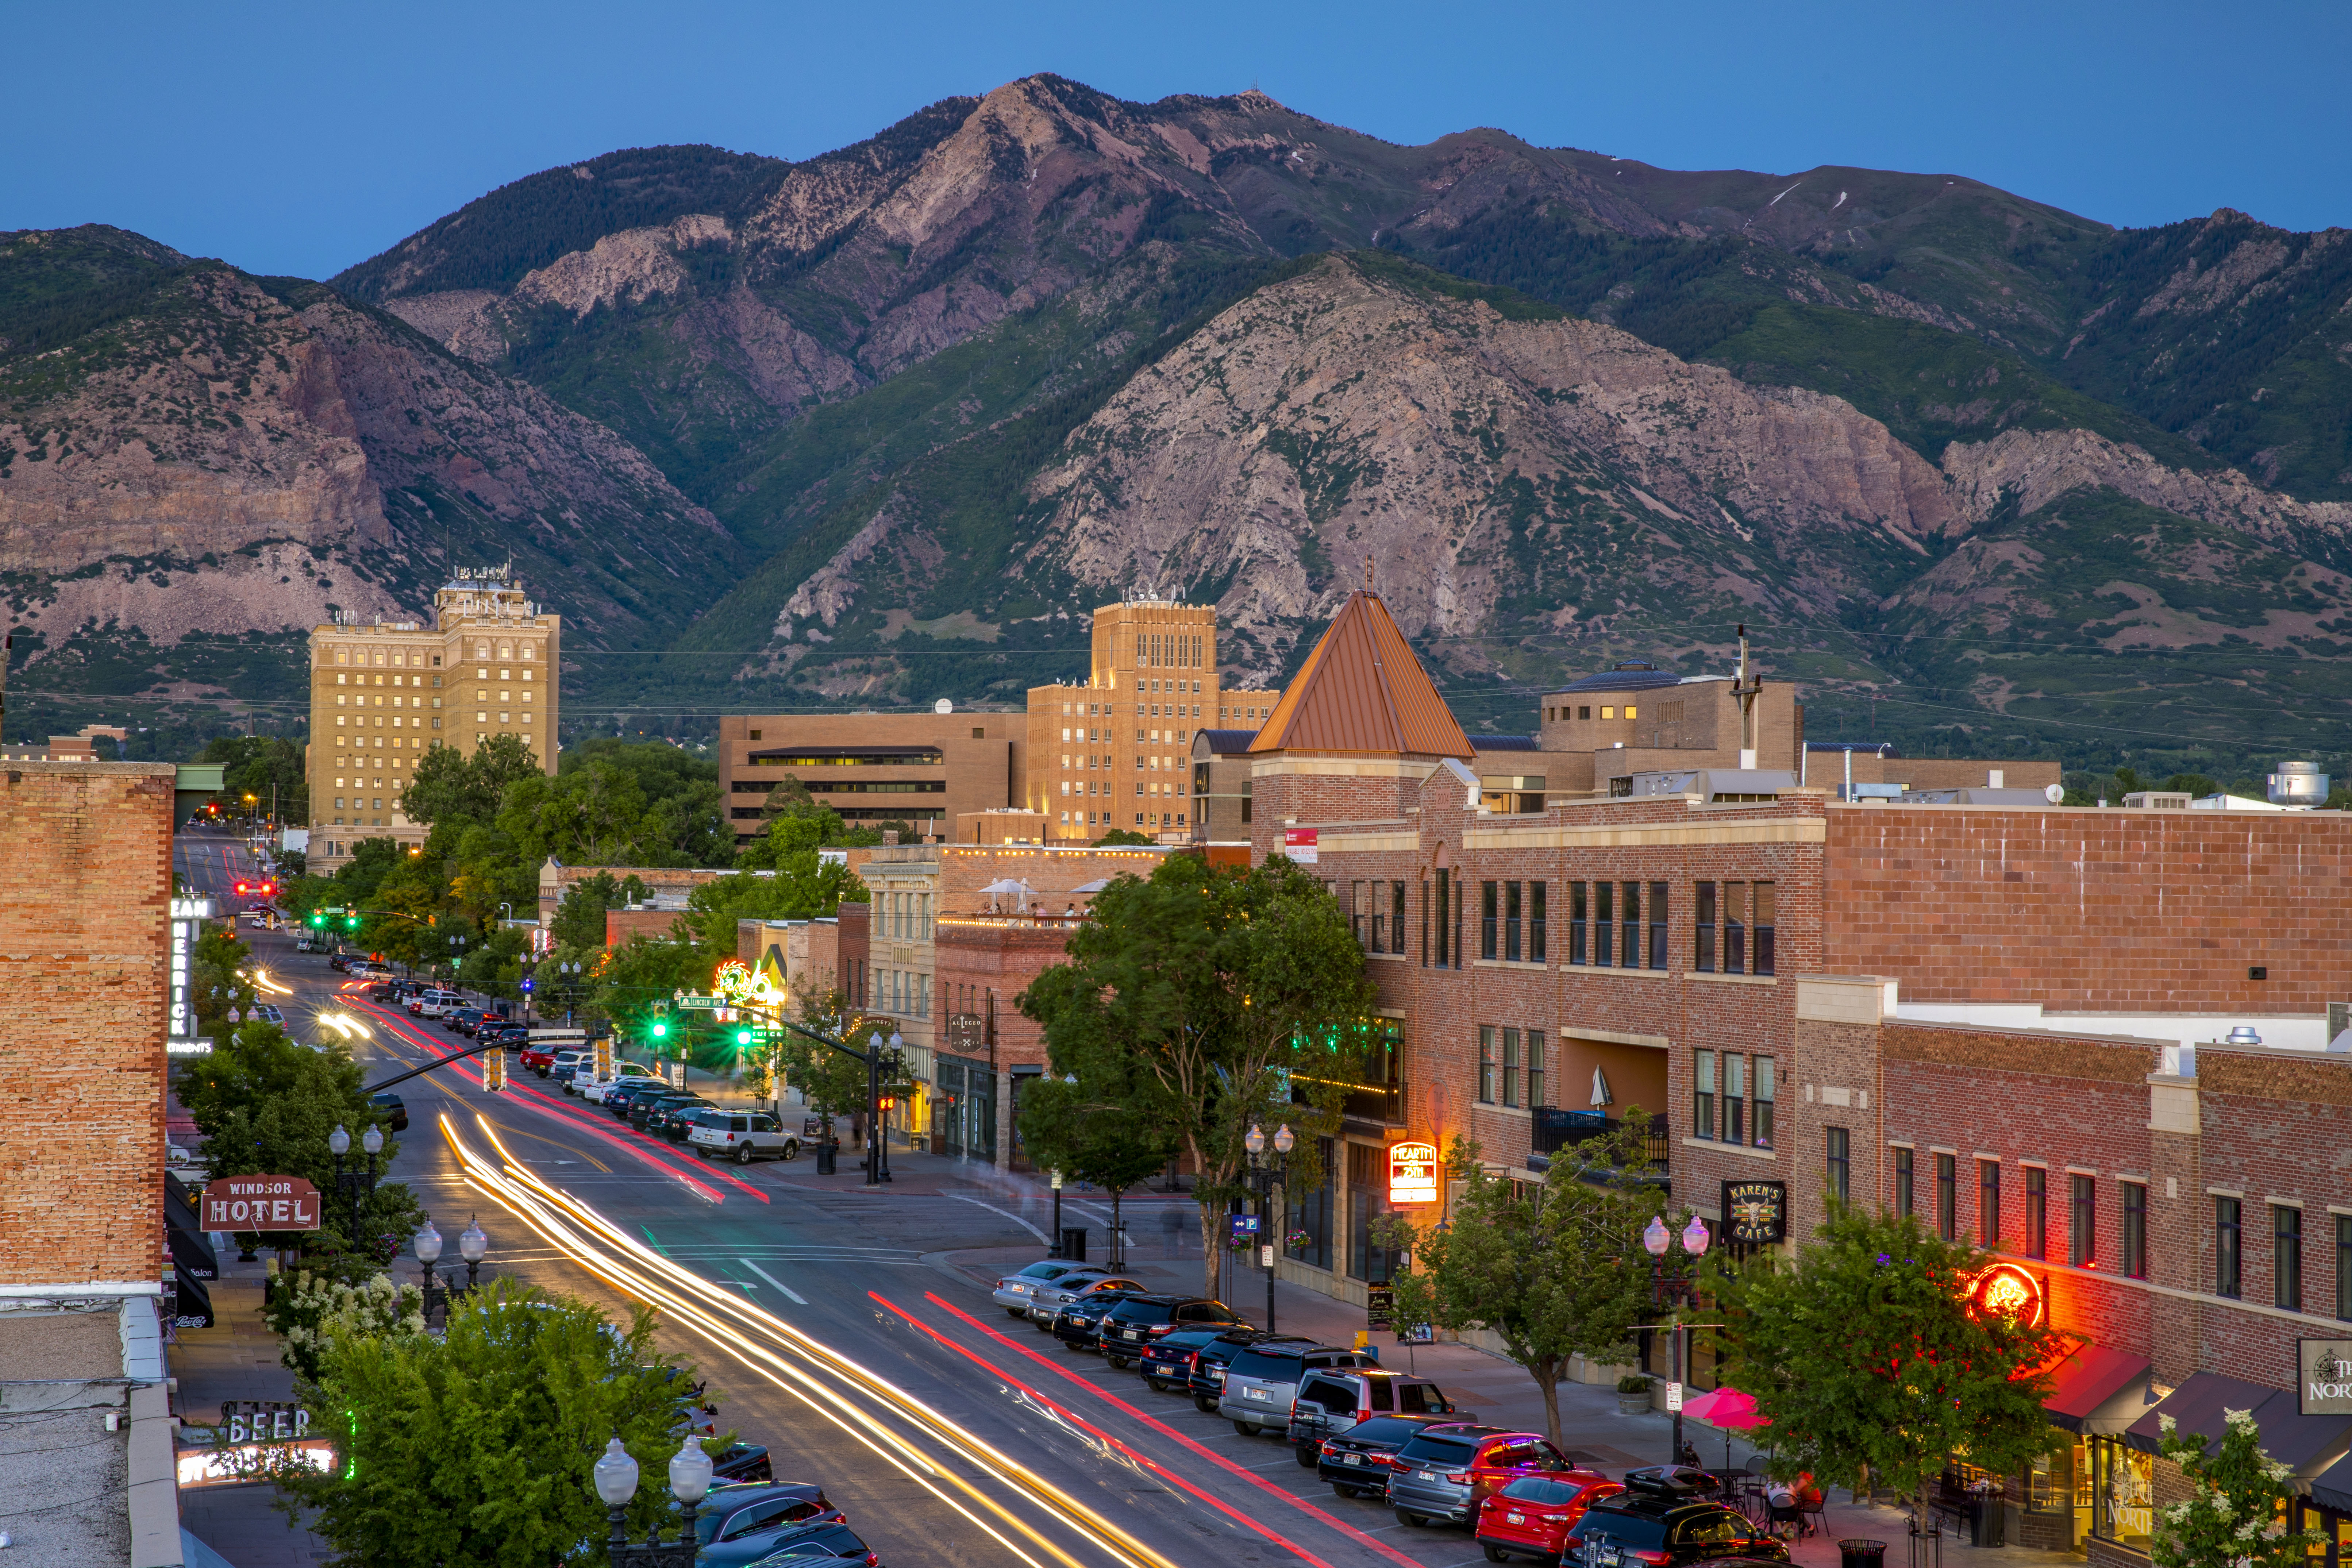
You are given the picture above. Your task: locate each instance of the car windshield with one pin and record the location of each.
(1142, 1310)
(1042, 1271)
(1439, 1450)
(1385, 1429)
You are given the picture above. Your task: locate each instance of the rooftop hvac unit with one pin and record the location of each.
(2298, 783)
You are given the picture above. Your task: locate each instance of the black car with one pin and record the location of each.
(1078, 1324)
(1166, 1362)
(1136, 1321)
(1658, 1521)
(511, 1036)
(1357, 1461)
(389, 1101)
(624, 1095)
(817, 1541)
(742, 1522)
(1206, 1380)
(339, 961)
(668, 1118)
(644, 1110)
(744, 1462)
(383, 991)
(463, 1020)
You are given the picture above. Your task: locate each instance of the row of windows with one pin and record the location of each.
(1098, 760)
(1162, 649)
(1735, 1108)
(2287, 1255)
(1510, 1066)
(1142, 818)
(903, 916)
(1087, 786)
(1608, 712)
(418, 658)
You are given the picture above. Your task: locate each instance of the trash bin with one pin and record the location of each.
(1988, 1523)
(825, 1154)
(1074, 1244)
(1862, 1554)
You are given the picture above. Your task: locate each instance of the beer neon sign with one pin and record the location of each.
(2005, 1291)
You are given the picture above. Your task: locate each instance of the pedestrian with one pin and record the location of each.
(1171, 1226)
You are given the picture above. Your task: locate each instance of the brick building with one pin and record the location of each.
(1900, 1002)
(923, 769)
(501, 662)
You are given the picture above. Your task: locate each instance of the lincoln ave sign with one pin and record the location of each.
(2324, 1376)
(261, 1203)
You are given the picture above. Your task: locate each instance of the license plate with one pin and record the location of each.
(1135, 1333)
(1515, 1519)
(1606, 1557)
(1425, 1474)
(1256, 1393)
(1354, 1458)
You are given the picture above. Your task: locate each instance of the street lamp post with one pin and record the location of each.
(1671, 1286)
(354, 1186)
(427, 1242)
(1266, 1175)
(689, 1482)
(473, 1246)
(877, 1151)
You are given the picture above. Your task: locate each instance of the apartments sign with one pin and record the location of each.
(180, 1037)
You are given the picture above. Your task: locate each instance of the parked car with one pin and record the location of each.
(1357, 1461)
(1014, 1291)
(740, 1136)
(381, 991)
(669, 1119)
(511, 1037)
(1447, 1471)
(1658, 1521)
(339, 961)
(1051, 1295)
(1079, 1322)
(645, 1109)
(387, 1100)
(558, 1063)
(1205, 1375)
(1262, 1381)
(431, 1002)
(588, 1088)
(743, 1523)
(741, 1462)
(1132, 1324)
(462, 1020)
(538, 1057)
(622, 1095)
(803, 1542)
(1531, 1517)
(1331, 1401)
(269, 1013)
(306, 944)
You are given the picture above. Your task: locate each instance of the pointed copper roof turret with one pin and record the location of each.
(1363, 690)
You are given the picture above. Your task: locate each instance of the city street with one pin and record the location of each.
(836, 1326)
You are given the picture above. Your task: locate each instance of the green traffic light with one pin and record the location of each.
(743, 1036)
(351, 922)
(661, 1028)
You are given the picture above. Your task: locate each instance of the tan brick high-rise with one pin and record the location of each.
(1116, 752)
(383, 693)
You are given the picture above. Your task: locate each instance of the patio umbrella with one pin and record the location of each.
(1730, 1409)
(1601, 1095)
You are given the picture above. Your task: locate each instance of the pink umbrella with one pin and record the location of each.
(1725, 1407)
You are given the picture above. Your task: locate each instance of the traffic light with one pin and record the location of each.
(352, 920)
(269, 890)
(243, 887)
(743, 1036)
(661, 1030)
(318, 919)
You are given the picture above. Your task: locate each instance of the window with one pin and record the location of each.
(1424, 923)
(1576, 923)
(1366, 1201)
(1511, 919)
(1735, 927)
(1487, 921)
(1604, 906)
(1657, 925)
(1396, 918)
(1763, 1090)
(1839, 1164)
(1948, 1196)
(2343, 1266)
(1510, 1067)
(1765, 911)
(2082, 1221)
(2286, 1257)
(1630, 945)
(2134, 1259)
(1703, 932)
(1358, 905)
(2227, 1273)
(1485, 1064)
(1703, 1095)
(1536, 923)
(1988, 1204)
(1535, 1049)
(1311, 1213)
(1445, 924)
(2037, 1212)
(1735, 1098)
(1902, 1181)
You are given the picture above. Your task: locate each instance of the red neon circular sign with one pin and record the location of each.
(2005, 1291)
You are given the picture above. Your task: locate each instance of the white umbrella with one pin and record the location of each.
(1003, 885)
(1601, 1095)
(1097, 886)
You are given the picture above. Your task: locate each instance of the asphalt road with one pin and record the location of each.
(831, 1325)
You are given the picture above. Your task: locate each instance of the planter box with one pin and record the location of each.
(1634, 1404)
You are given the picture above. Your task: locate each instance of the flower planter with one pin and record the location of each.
(1634, 1404)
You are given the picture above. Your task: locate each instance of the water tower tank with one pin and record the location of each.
(2298, 783)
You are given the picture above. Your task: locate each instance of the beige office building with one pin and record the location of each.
(1116, 752)
(385, 693)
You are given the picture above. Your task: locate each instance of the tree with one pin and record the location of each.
(1206, 1001)
(579, 920)
(1554, 1274)
(804, 888)
(477, 1450)
(451, 784)
(1870, 1362)
(217, 978)
(1091, 1140)
(1123, 835)
(266, 767)
(2236, 1515)
(833, 1083)
(266, 1105)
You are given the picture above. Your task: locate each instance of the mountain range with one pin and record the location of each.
(884, 424)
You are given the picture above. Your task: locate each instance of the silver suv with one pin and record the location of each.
(1262, 1381)
(1331, 1401)
(1051, 1296)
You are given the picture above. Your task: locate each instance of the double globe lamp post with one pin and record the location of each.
(356, 1188)
(473, 1246)
(1671, 1285)
(616, 1483)
(1266, 1175)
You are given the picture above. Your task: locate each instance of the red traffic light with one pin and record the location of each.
(242, 887)
(268, 890)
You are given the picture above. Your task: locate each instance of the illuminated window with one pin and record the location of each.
(1608, 713)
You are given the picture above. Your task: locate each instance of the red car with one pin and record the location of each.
(539, 1056)
(1532, 1516)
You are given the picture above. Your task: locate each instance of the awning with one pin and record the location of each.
(2098, 1390)
(194, 1300)
(192, 1253)
(2333, 1487)
(2303, 1444)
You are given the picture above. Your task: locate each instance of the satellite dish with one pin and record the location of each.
(943, 706)
(2055, 795)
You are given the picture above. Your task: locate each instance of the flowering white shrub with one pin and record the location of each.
(311, 1311)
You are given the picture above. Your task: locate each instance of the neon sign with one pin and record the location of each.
(745, 987)
(1413, 1172)
(2005, 1291)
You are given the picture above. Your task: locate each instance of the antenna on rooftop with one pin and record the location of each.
(1368, 572)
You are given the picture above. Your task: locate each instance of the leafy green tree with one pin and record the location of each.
(1092, 1140)
(266, 1105)
(477, 1450)
(449, 784)
(683, 814)
(1868, 1359)
(579, 920)
(268, 768)
(2235, 1515)
(1207, 1001)
(805, 887)
(1555, 1273)
(1124, 835)
(217, 977)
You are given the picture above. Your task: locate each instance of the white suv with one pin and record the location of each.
(433, 1004)
(740, 1136)
(584, 1084)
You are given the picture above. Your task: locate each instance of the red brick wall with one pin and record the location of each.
(84, 955)
(2097, 910)
(977, 961)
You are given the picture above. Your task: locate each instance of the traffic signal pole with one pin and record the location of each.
(876, 1174)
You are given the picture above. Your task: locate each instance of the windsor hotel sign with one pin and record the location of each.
(2324, 1376)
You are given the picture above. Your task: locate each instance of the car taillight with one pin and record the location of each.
(1158, 1328)
(1459, 1477)
(1649, 1556)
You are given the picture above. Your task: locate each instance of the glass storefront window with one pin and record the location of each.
(2122, 1493)
(2048, 1485)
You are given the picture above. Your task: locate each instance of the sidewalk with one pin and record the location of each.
(1500, 1393)
(236, 1358)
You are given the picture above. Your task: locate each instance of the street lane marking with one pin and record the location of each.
(1016, 1218)
(650, 1236)
(771, 1279)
